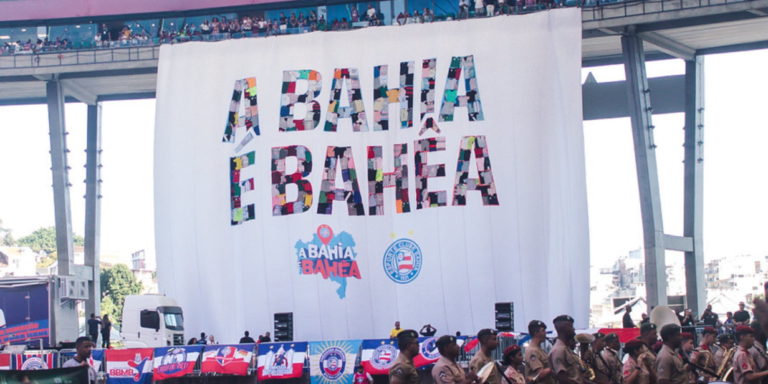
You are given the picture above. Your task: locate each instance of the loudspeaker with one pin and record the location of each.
(505, 317)
(284, 326)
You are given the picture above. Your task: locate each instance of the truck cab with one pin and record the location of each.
(151, 321)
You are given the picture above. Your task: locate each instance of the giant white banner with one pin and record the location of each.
(419, 173)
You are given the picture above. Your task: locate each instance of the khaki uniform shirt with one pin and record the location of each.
(535, 361)
(743, 363)
(447, 371)
(669, 366)
(562, 359)
(479, 361)
(706, 359)
(612, 358)
(629, 368)
(758, 355)
(650, 357)
(602, 370)
(404, 370)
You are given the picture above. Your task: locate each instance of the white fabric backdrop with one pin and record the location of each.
(532, 249)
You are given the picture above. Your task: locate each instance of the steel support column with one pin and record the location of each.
(640, 110)
(60, 170)
(93, 207)
(693, 206)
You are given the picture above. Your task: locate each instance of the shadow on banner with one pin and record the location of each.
(77, 375)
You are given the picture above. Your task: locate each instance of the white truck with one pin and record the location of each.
(151, 321)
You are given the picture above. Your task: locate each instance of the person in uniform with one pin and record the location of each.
(649, 336)
(635, 368)
(603, 373)
(537, 368)
(758, 347)
(488, 344)
(611, 356)
(512, 358)
(685, 352)
(402, 370)
(726, 343)
(703, 355)
(670, 368)
(566, 365)
(744, 367)
(446, 369)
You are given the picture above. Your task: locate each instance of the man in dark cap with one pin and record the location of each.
(611, 356)
(703, 355)
(670, 368)
(488, 343)
(758, 347)
(565, 364)
(745, 369)
(537, 368)
(446, 370)
(402, 370)
(726, 343)
(602, 370)
(649, 336)
(685, 352)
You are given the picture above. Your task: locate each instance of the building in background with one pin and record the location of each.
(18, 261)
(144, 267)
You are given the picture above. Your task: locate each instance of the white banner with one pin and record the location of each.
(419, 173)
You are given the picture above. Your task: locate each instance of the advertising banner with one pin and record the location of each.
(281, 360)
(419, 173)
(26, 314)
(35, 361)
(173, 362)
(333, 362)
(129, 366)
(232, 359)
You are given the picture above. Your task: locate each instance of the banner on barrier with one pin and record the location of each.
(354, 179)
(175, 361)
(333, 362)
(76, 375)
(126, 366)
(378, 355)
(5, 361)
(281, 360)
(32, 361)
(232, 359)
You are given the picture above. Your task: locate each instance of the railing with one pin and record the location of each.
(30, 59)
(602, 10)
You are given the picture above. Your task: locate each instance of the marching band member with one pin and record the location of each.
(537, 368)
(402, 370)
(512, 358)
(670, 368)
(703, 355)
(745, 369)
(635, 368)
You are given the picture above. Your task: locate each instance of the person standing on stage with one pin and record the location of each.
(703, 355)
(447, 370)
(741, 317)
(395, 331)
(670, 368)
(428, 330)
(402, 370)
(488, 344)
(627, 319)
(635, 368)
(611, 356)
(745, 369)
(537, 368)
(566, 365)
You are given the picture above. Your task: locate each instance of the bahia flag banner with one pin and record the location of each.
(31, 362)
(428, 353)
(175, 361)
(96, 359)
(378, 356)
(5, 361)
(129, 366)
(232, 359)
(333, 362)
(281, 360)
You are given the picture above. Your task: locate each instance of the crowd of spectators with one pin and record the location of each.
(220, 28)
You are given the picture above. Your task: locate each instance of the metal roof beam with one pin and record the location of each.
(670, 46)
(72, 88)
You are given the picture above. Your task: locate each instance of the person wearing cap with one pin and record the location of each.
(703, 355)
(488, 343)
(670, 368)
(602, 370)
(635, 368)
(757, 351)
(566, 365)
(685, 351)
(512, 358)
(446, 369)
(649, 336)
(726, 343)
(537, 368)
(362, 377)
(402, 370)
(611, 356)
(745, 369)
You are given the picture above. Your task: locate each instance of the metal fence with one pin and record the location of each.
(29, 59)
(594, 10)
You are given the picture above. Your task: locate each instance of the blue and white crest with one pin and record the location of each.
(333, 362)
(429, 348)
(402, 261)
(383, 356)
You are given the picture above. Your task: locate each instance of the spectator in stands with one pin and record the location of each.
(312, 21)
(247, 25)
(203, 339)
(373, 21)
(395, 331)
(463, 9)
(321, 24)
(293, 23)
(479, 8)
(741, 317)
(489, 8)
(265, 338)
(344, 24)
(93, 327)
(262, 26)
(302, 22)
(408, 18)
(335, 25)
(247, 339)
(371, 12)
(354, 15)
(729, 324)
(283, 23)
(211, 340)
(428, 330)
(644, 319)
(192, 341)
(686, 320)
(215, 26)
(106, 37)
(416, 17)
(708, 317)
(401, 18)
(428, 16)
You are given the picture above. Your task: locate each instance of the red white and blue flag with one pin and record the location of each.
(129, 366)
(5, 361)
(227, 359)
(281, 360)
(173, 362)
(96, 359)
(34, 361)
(428, 353)
(378, 355)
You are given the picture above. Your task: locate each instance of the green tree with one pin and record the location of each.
(117, 283)
(48, 260)
(108, 308)
(8, 240)
(44, 239)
